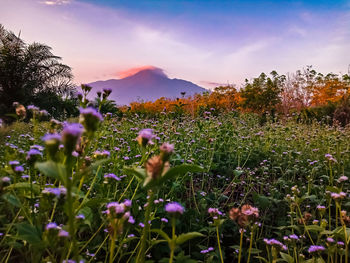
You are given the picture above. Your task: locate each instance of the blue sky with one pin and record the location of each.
(207, 42)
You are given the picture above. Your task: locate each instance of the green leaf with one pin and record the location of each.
(87, 212)
(261, 200)
(52, 169)
(287, 257)
(187, 236)
(25, 186)
(254, 251)
(140, 173)
(314, 228)
(162, 233)
(13, 200)
(263, 259)
(29, 233)
(173, 172)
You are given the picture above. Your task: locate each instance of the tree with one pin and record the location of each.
(263, 93)
(31, 72)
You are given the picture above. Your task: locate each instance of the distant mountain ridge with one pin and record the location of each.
(145, 85)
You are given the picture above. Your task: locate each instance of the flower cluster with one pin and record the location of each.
(244, 216)
(275, 243)
(174, 209)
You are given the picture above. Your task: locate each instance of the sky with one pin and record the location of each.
(208, 42)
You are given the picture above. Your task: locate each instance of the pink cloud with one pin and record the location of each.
(132, 71)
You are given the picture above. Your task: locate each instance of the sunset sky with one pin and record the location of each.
(206, 42)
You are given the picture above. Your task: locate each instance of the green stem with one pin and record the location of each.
(240, 246)
(250, 244)
(218, 237)
(173, 238)
(141, 254)
(112, 246)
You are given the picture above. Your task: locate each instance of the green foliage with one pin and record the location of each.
(32, 74)
(262, 94)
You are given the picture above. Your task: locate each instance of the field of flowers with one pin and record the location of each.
(212, 188)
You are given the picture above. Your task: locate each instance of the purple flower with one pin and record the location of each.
(142, 225)
(131, 220)
(19, 169)
(55, 191)
(70, 136)
(315, 249)
(33, 154)
(51, 225)
(115, 208)
(214, 211)
(174, 208)
(127, 203)
(294, 237)
(342, 179)
(275, 243)
(113, 176)
(63, 233)
(32, 108)
(145, 137)
(6, 179)
(80, 216)
(51, 137)
(90, 118)
(13, 163)
(164, 220)
(330, 240)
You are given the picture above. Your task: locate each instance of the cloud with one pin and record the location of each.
(100, 42)
(55, 2)
(133, 71)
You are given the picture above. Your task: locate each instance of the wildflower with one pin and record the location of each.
(342, 179)
(315, 249)
(127, 203)
(166, 149)
(145, 137)
(52, 142)
(55, 191)
(112, 176)
(131, 220)
(330, 240)
(63, 233)
(275, 243)
(155, 167)
(214, 211)
(19, 169)
(174, 208)
(164, 220)
(90, 118)
(51, 225)
(33, 155)
(6, 179)
(114, 208)
(80, 216)
(13, 163)
(294, 237)
(33, 108)
(20, 110)
(70, 136)
(339, 196)
(330, 158)
(106, 92)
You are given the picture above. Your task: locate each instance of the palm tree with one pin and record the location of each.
(28, 72)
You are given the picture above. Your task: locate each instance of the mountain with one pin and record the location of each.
(145, 85)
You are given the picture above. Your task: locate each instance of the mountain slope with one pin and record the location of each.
(146, 85)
